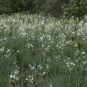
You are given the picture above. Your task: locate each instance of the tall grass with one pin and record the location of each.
(36, 51)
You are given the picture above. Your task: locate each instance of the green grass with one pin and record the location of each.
(36, 51)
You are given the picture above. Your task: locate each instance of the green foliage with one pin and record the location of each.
(36, 51)
(76, 8)
(33, 6)
(12, 6)
(52, 7)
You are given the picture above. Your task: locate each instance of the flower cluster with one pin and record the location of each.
(40, 45)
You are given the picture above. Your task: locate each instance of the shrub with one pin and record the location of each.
(52, 7)
(76, 8)
(12, 6)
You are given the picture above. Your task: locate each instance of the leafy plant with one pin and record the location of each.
(12, 6)
(42, 52)
(76, 8)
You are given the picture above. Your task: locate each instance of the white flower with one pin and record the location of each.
(12, 76)
(42, 45)
(85, 24)
(8, 50)
(18, 51)
(83, 52)
(41, 38)
(71, 63)
(16, 71)
(2, 49)
(84, 62)
(40, 67)
(51, 85)
(27, 79)
(29, 45)
(85, 37)
(32, 67)
(68, 42)
(43, 73)
(47, 66)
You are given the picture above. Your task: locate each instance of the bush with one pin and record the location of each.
(76, 8)
(52, 7)
(34, 6)
(1, 9)
(12, 6)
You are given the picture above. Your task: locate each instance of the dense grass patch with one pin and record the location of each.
(36, 51)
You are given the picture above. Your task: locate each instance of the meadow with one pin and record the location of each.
(38, 51)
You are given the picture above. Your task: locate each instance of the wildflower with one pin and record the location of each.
(32, 67)
(18, 51)
(85, 62)
(8, 50)
(16, 72)
(43, 73)
(47, 66)
(40, 67)
(12, 76)
(27, 79)
(83, 52)
(71, 63)
(51, 85)
(2, 49)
